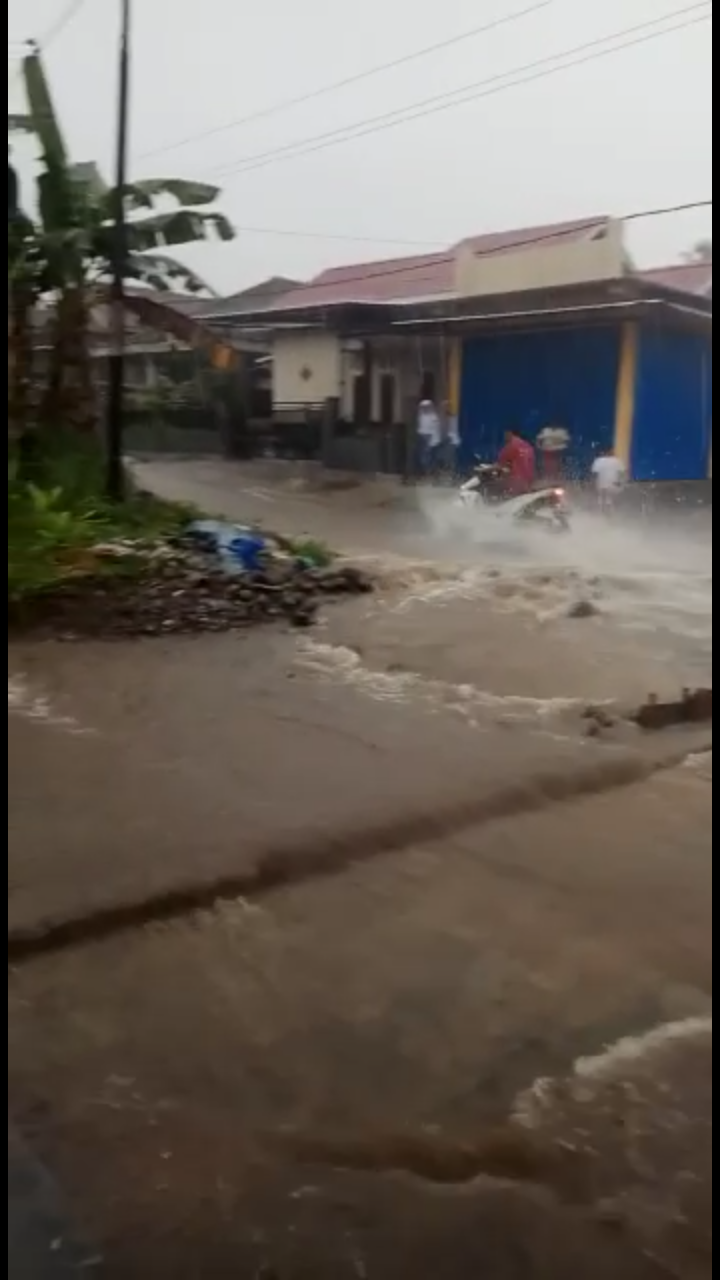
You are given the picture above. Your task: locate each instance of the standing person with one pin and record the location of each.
(450, 439)
(609, 474)
(553, 443)
(429, 437)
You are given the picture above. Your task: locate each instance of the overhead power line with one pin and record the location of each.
(52, 33)
(427, 246)
(62, 21)
(296, 232)
(403, 266)
(334, 86)
(539, 69)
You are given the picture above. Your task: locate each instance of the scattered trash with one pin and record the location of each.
(693, 707)
(190, 586)
(583, 609)
(240, 549)
(597, 719)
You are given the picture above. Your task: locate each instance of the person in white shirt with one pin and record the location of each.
(450, 442)
(429, 436)
(609, 474)
(553, 443)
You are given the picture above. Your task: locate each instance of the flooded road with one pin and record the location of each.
(510, 896)
(471, 602)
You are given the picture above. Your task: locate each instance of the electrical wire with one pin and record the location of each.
(53, 33)
(297, 233)
(379, 69)
(402, 267)
(538, 70)
(429, 246)
(56, 29)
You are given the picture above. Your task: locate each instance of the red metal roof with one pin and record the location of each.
(686, 277)
(427, 275)
(389, 280)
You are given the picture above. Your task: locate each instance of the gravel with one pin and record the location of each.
(171, 590)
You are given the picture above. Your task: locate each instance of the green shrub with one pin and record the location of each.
(54, 519)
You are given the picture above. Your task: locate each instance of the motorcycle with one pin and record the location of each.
(545, 508)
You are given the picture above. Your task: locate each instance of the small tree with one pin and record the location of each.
(700, 252)
(76, 211)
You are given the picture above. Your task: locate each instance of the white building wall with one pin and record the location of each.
(306, 368)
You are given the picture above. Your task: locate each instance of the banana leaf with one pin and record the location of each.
(166, 274)
(183, 226)
(144, 193)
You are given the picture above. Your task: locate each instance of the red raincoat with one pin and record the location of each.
(518, 458)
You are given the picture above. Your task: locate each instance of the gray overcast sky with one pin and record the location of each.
(625, 132)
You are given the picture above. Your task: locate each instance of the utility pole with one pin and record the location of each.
(115, 480)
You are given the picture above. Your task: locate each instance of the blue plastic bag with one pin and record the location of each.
(239, 549)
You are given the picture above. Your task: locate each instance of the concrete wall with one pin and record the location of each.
(541, 265)
(307, 368)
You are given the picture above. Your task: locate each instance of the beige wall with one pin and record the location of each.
(541, 266)
(306, 368)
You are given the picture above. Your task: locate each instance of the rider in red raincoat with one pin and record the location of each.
(517, 458)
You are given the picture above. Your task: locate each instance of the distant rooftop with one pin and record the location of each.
(687, 277)
(430, 275)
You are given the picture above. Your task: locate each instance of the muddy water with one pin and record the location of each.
(490, 620)
(447, 972)
(472, 603)
(472, 616)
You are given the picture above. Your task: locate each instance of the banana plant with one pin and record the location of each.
(77, 209)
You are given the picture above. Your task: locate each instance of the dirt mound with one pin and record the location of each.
(181, 593)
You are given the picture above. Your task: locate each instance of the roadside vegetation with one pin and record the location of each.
(78, 562)
(57, 515)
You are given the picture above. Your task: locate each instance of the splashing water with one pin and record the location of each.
(654, 574)
(32, 704)
(546, 1095)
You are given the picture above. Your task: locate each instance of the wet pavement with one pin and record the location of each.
(41, 1243)
(510, 897)
(168, 1076)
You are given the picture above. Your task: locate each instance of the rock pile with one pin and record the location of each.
(170, 590)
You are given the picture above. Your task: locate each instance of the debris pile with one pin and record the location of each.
(185, 586)
(693, 707)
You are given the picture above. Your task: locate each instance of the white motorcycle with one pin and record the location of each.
(546, 508)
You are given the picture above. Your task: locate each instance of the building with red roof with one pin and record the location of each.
(538, 325)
